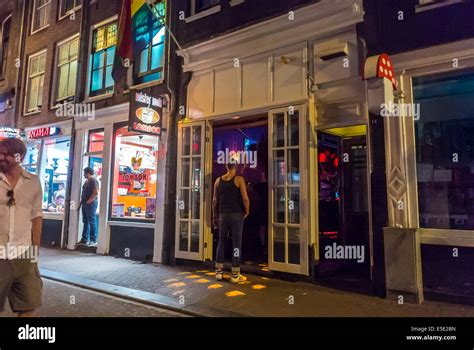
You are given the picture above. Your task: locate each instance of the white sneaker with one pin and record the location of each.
(219, 275)
(238, 278)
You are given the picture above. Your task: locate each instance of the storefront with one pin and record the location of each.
(48, 156)
(129, 167)
(268, 107)
(430, 174)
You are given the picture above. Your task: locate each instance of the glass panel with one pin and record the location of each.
(63, 81)
(195, 204)
(293, 167)
(135, 175)
(293, 205)
(41, 63)
(279, 168)
(157, 55)
(63, 54)
(195, 236)
(98, 60)
(110, 55)
(72, 78)
(293, 245)
(279, 130)
(185, 142)
(444, 137)
(196, 174)
(33, 94)
(293, 129)
(74, 49)
(97, 78)
(279, 205)
(54, 174)
(96, 141)
(183, 205)
(32, 152)
(185, 172)
(197, 142)
(109, 81)
(143, 67)
(183, 236)
(279, 244)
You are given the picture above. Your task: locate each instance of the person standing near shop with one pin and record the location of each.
(21, 219)
(231, 205)
(89, 203)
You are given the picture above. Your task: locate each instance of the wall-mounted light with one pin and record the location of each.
(285, 59)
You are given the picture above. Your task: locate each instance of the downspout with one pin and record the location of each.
(21, 52)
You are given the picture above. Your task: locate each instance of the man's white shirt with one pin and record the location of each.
(15, 221)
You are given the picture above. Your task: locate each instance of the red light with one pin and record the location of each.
(322, 158)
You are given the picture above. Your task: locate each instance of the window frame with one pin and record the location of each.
(55, 86)
(434, 4)
(3, 62)
(34, 13)
(136, 65)
(27, 85)
(195, 11)
(91, 62)
(110, 201)
(69, 12)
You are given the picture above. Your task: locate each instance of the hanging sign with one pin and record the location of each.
(146, 113)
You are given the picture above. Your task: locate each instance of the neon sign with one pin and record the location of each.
(43, 132)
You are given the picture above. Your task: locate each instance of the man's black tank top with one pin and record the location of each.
(229, 197)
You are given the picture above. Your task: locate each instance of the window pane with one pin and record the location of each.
(143, 67)
(98, 60)
(279, 168)
(32, 152)
(63, 81)
(293, 205)
(97, 78)
(96, 141)
(279, 205)
(293, 245)
(72, 78)
(278, 244)
(34, 66)
(279, 130)
(183, 236)
(41, 63)
(293, 129)
(54, 174)
(74, 49)
(110, 55)
(197, 140)
(195, 236)
(445, 150)
(63, 54)
(157, 56)
(185, 162)
(135, 175)
(183, 205)
(185, 142)
(109, 81)
(293, 167)
(196, 174)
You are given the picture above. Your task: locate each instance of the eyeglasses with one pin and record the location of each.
(11, 201)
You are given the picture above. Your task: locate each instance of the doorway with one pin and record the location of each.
(249, 139)
(344, 242)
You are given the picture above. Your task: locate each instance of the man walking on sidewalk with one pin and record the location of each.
(89, 203)
(21, 218)
(231, 205)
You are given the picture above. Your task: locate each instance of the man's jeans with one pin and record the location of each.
(89, 219)
(233, 222)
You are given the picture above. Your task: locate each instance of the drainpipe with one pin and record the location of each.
(21, 52)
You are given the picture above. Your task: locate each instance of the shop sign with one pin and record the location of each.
(43, 132)
(7, 132)
(146, 112)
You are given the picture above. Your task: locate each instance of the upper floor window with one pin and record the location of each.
(40, 18)
(66, 74)
(104, 41)
(68, 6)
(149, 63)
(4, 45)
(201, 5)
(34, 84)
(423, 5)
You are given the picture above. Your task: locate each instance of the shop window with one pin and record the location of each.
(4, 45)
(30, 162)
(54, 173)
(66, 7)
(135, 176)
(40, 18)
(104, 41)
(96, 141)
(67, 60)
(445, 150)
(150, 61)
(34, 92)
(95, 157)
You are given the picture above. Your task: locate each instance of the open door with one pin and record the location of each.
(190, 191)
(288, 209)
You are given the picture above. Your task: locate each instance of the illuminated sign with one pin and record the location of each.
(7, 132)
(146, 113)
(43, 132)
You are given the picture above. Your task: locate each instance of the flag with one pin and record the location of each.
(136, 23)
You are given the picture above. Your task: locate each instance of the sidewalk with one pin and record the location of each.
(260, 296)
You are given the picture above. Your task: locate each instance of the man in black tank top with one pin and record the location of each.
(230, 206)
